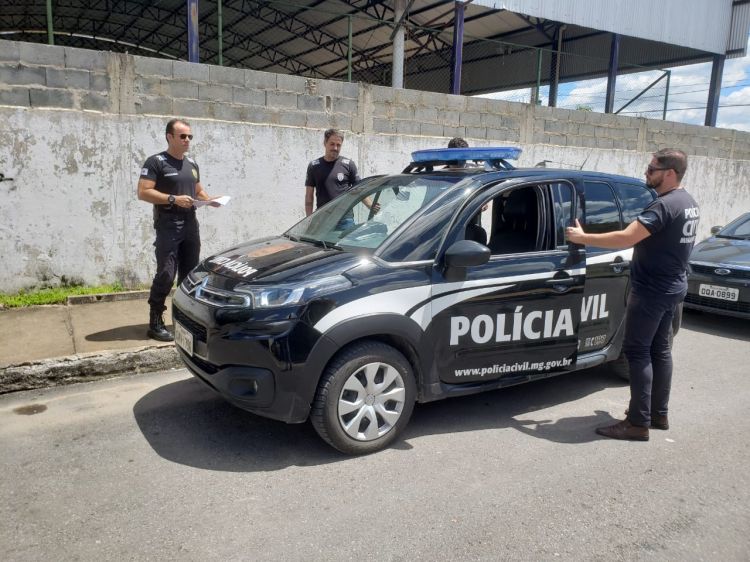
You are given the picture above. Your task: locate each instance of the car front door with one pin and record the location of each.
(517, 315)
(607, 270)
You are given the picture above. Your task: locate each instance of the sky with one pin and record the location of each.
(688, 94)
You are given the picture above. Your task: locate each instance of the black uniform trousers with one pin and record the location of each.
(648, 347)
(178, 248)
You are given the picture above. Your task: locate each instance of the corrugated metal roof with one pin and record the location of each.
(704, 25)
(310, 37)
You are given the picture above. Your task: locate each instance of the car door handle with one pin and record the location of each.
(619, 266)
(562, 281)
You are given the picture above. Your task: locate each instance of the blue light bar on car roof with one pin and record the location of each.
(463, 154)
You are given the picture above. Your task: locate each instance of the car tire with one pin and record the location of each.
(365, 398)
(620, 365)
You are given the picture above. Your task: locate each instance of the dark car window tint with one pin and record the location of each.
(602, 213)
(562, 201)
(633, 198)
(515, 222)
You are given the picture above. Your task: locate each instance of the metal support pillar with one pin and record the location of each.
(221, 33)
(50, 28)
(458, 45)
(614, 56)
(555, 70)
(192, 29)
(714, 91)
(349, 53)
(397, 76)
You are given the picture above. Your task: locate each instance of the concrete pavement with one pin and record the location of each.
(90, 337)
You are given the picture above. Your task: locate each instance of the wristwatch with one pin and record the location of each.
(171, 199)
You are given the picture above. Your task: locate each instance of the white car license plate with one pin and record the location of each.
(718, 292)
(183, 337)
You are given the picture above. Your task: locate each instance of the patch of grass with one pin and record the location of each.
(57, 295)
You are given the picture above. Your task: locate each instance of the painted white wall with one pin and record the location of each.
(72, 208)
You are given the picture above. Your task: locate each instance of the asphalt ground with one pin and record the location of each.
(155, 466)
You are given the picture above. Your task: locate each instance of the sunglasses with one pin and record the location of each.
(184, 136)
(652, 169)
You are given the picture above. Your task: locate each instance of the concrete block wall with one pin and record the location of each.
(76, 126)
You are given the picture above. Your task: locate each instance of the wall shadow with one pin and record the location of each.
(187, 423)
(716, 325)
(121, 333)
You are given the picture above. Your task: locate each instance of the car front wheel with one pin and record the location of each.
(365, 398)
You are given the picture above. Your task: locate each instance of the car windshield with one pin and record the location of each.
(739, 229)
(366, 215)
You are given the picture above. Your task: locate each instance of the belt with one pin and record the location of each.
(171, 210)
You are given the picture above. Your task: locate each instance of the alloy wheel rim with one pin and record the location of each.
(371, 401)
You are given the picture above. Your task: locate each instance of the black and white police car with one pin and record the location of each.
(456, 279)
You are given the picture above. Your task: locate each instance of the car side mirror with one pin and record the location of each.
(463, 254)
(716, 229)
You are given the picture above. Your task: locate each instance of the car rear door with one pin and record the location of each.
(516, 315)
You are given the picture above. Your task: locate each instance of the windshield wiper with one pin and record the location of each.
(314, 241)
(291, 237)
(733, 237)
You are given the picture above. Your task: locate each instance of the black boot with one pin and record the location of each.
(156, 328)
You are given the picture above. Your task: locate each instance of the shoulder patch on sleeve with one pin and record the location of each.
(345, 161)
(315, 162)
(144, 171)
(160, 157)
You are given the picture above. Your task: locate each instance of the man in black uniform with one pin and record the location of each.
(331, 175)
(170, 181)
(663, 236)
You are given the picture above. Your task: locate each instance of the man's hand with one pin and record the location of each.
(575, 233)
(184, 201)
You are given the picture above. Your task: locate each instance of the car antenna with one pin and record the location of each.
(586, 159)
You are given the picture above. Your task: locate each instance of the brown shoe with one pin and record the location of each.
(657, 421)
(624, 430)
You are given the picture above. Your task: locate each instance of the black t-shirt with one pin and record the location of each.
(172, 176)
(660, 260)
(331, 179)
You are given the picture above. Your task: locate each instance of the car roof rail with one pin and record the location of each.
(492, 157)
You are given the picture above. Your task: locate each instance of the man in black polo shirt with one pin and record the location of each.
(170, 181)
(663, 236)
(331, 175)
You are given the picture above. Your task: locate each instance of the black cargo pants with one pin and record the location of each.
(648, 347)
(178, 247)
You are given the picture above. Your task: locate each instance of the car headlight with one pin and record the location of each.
(287, 294)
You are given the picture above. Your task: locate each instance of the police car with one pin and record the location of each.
(455, 278)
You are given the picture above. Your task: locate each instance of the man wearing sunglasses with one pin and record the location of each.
(170, 181)
(663, 236)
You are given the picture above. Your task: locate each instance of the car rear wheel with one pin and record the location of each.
(365, 398)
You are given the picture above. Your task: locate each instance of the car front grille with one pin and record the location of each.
(718, 304)
(711, 269)
(195, 328)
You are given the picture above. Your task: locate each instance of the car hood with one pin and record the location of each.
(277, 260)
(723, 250)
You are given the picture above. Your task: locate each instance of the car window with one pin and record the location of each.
(602, 213)
(633, 199)
(739, 228)
(515, 221)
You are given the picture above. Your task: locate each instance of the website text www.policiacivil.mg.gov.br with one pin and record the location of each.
(514, 368)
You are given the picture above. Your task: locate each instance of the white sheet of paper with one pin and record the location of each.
(223, 200)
